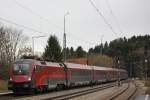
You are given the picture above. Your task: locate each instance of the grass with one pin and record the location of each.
(147, 83)
(3, 85)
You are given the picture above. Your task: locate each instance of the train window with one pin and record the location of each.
(20, 69)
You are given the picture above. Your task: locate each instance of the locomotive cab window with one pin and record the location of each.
(20, 69)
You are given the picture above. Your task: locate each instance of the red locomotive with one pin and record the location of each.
(34, 75)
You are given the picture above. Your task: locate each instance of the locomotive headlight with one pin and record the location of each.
(10, 79)
(29, 78)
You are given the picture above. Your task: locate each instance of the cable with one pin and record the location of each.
(8, 21)
(42, 18)
(111, 11)
(25, 27)
(99, 12)
(36, 14)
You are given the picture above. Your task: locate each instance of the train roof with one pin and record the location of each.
(101, 68)
(68, 65)
(24, 61)
(80, 66)
(42, 63)
(52, 64)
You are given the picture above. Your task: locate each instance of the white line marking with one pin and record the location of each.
(146, 97)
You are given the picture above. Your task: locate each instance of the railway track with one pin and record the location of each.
(59, 94)
(123, 92)
(81, 93)
(126, 93)
(64, 94)
(76, 94)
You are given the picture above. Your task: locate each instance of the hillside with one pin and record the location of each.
(130, 53)
(96, 60)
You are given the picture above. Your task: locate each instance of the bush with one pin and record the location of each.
(3, 85)
(100, 60)
(4, 71)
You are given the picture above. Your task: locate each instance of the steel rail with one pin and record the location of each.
(80, 93)
(118, 94)
(133, 93)
(128, 97)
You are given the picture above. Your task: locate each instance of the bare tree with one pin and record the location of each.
(26, 50)
(11, 40)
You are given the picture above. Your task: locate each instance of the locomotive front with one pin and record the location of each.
(20, 75)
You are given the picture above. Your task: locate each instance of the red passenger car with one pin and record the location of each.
(79, 74)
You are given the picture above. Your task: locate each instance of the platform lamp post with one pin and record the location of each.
(33, 37)
(64, 38)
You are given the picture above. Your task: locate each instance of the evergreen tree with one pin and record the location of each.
(80, 52)
(71, 52)
(90, 50)
(106, 48)
(106, 45)
(97, 49)
(53, 49)
(67, 53)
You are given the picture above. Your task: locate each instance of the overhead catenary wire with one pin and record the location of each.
(48, 21)
(103, 17)
(36, 14)
(23, 26)
(114, 17)
(28, 28)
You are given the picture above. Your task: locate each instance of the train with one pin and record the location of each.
(30, 75)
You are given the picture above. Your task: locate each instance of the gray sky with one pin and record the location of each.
(84, 26)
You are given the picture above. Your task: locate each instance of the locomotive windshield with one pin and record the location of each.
(20, 69)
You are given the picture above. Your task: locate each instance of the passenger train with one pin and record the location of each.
(36, 76)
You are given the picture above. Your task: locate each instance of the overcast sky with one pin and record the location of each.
(84, 26)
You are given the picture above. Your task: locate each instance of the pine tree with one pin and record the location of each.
(53, 50)
(80, 52)
(72, 52)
